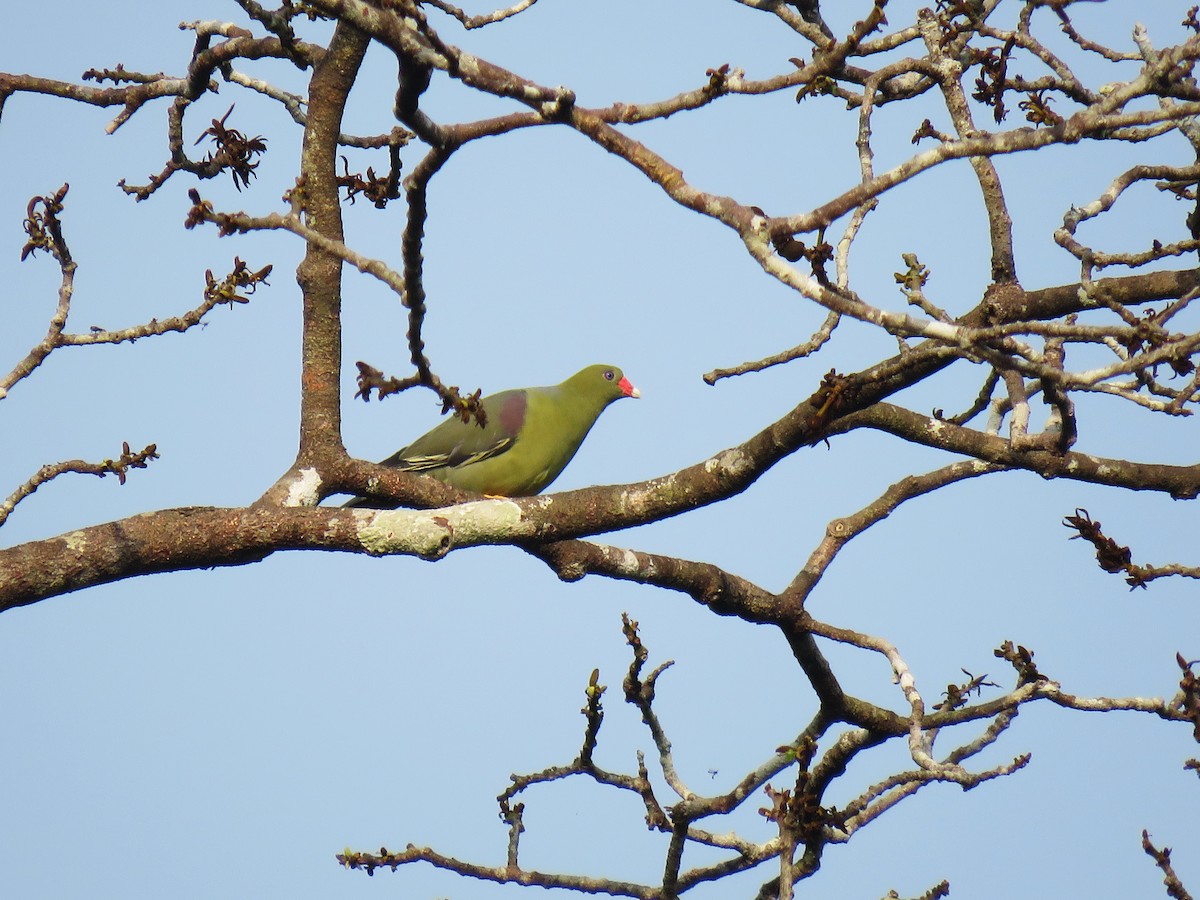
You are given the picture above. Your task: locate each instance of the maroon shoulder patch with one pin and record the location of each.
(512, 413)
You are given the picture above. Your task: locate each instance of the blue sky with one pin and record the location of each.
(224, 733)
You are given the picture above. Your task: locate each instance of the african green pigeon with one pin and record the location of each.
(530, 436)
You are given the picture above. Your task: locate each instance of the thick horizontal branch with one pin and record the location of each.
(172, 540)
(200, 537)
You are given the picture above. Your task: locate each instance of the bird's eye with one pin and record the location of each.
(608, 375)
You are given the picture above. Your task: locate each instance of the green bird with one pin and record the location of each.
(530, 436)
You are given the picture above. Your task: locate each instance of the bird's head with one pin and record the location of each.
(604, 381)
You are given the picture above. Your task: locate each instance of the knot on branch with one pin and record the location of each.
(561, 103)
(1004, 301)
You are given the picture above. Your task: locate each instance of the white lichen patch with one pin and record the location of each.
(76, 541)
(636, 501)
(432, 533)
(468, 65)
(729, 463)
(305, 490)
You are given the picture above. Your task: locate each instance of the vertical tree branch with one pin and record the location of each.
(949, 74)
(416, 187)
(320, 273)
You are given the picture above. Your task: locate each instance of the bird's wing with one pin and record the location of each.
(459, 455)
(456, 443)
